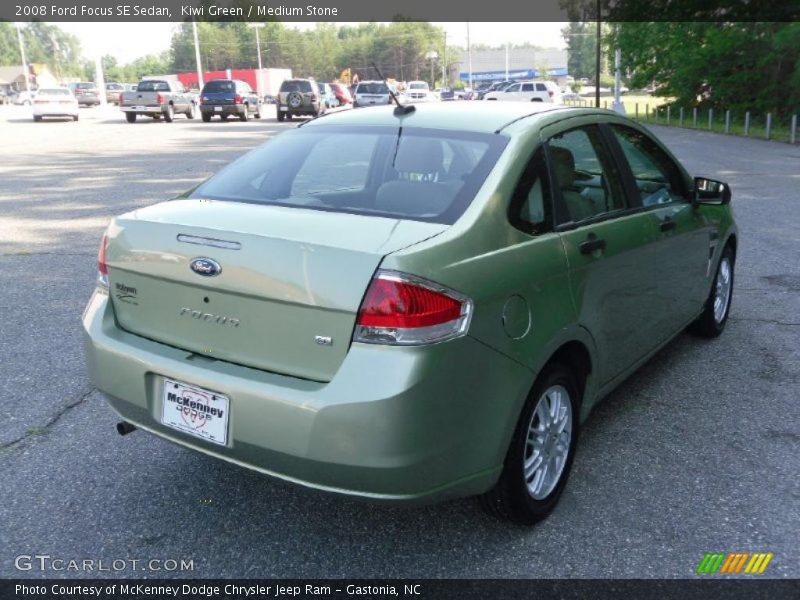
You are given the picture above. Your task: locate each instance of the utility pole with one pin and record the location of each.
(618, 105)
(469, 57)
(99, 79)
(197, 56)
(24, 61)
(258, 26)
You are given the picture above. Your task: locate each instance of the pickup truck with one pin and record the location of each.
(158, 98)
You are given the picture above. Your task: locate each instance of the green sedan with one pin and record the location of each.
(410, 304)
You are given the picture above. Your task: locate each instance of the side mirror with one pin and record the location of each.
(710, 191)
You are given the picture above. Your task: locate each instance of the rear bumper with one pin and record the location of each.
(400, 424)
(143, 110)
(224, 109)
(55, 111)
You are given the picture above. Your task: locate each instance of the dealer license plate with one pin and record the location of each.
(196, 411)
(139, 108)
(284, 108)
(217, 109)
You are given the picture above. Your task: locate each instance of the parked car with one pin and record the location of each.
(419, 91)
(328, 95)
(86, 93)
(229, 97)
(342, 94)
(54, 102)
(370, 93)
(113, 91)
(431, 313)
(528, 91)
(158, 98)
(495, 87)
(23, 98)
(298, 97)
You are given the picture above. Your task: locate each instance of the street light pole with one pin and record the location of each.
(597, 61)
(24, 61)
(469, 57)
(259, 85)
(197, 56)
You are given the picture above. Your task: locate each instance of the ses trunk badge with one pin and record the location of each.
(207, 267)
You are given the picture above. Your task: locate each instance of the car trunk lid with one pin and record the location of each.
(290, 284)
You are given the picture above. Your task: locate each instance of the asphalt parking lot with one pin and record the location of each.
(699, 451)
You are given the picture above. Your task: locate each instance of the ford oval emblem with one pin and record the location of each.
(207, 267)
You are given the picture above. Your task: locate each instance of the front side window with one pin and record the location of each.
(527, 87)
(658, 178)
(419, 174)
(589, 181)
(513, 88)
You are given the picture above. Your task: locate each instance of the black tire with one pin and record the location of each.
(223, 117)
(281, 116)
(191, 111)
(206, 117)
(289, 116)
(707, 325)
(37, 118)
(75, 118)
(258, 111)
(245, 114)
(130, 117)
(510, 499)
(169, 113)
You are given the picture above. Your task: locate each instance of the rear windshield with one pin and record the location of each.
(53, 92)
(153, 86)
(296, 86)
(372, 88)
(418, 86)
(423, 174)
(219, 85)
(86, 86)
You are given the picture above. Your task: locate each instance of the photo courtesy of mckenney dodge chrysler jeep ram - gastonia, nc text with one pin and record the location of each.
(410, 303)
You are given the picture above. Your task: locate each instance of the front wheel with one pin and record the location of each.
(191, 112)
(169, 113)
(540, 457)
(130, 117)
(245, 114)
(281, 116)
(206, 117)
(712, 321)
(258, 111)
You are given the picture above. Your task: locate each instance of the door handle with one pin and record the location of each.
(667, 225)
(590, 246)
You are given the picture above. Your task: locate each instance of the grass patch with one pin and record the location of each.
(37, 431)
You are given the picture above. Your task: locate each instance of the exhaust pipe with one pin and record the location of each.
(124, 428)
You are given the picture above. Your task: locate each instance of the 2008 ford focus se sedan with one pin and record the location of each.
(410, 304)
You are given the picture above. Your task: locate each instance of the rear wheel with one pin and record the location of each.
(712, 321)
(281, 116)
(169, 113)
(74, 117)
(191, 112)
(130, 117)
(258, 111)
(37, 118)
(539, 459)
(245, 114)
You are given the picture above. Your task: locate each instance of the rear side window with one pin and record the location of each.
(421, 174)
(527, 87)
(217, 86)
(540, 87)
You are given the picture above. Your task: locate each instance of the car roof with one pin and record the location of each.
(486, 117)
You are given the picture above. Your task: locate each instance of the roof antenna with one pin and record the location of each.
(399, 110)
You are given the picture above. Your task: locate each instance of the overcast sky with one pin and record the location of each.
(128, 41)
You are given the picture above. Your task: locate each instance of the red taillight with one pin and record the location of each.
(102, 267)
(550, 93)
(406, 310)
(120, 98)
(237, 99)
(159, 99)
